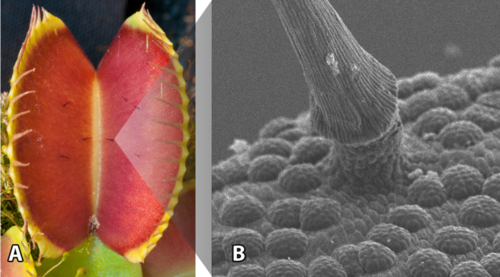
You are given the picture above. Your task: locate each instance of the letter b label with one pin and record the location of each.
(238, 253)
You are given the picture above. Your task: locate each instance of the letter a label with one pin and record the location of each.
(15, 253)
(238, 253)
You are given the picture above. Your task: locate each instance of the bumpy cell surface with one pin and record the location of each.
(423, 157)
(460, 134)
(429, 262)
(231, 171)
(476, 81)
(326, 266)
(492, 143)
(491, 263)
(417, 104)
(480, 211)
(469, 269)
(405, 88)
(319, 213)
(495, 61)
(218, 254)
(270, 146)
(310, 150)
(217, 182)
(375, 257)
(300, 178)
(275, 126)
(462, 181)
(361, 226)
(451, 96)
(287, 243)
(496, 243)
(433, 121)
(286, 268)
(496, 133)
(491, 99)
(455, 240)
(266, 168)
(249, 270)
(292, 135)
(347, 255)
(427, 192)
(410, 217)
(240, 210)
(449, 158)
(425, 80)
(484, 116)
(491, 187)
(286, 213)
(250, 239)
(390, 235)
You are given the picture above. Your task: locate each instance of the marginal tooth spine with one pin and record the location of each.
(19, 164)
(176, 125)
(167, 83)
(166, 69)
(17, 115)
(159, 46)
(19, 185)
(20, 135)
(152, 28)
(21, 76)
(165, 101)
(20, 95)
(169, 141)
(168, 160)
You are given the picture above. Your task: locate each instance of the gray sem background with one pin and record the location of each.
(257, 77)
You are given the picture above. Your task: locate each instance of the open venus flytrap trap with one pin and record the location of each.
(380, 177)
(97, 158)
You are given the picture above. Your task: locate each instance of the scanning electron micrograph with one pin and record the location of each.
(379, 176)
